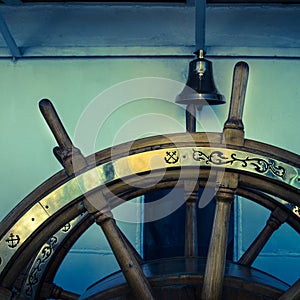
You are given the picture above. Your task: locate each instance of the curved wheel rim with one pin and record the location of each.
(75, 207)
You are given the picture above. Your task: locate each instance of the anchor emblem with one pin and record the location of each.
(66, 228)
(171, 157)
(13, 240)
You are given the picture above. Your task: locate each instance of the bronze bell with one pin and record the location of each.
(200, 88)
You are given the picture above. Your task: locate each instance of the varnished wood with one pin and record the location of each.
(191, 232)
(57, 292)
(130, 247)
(146, 144)
(182, 278)
(64, 218)
(126, 259)
(259, 198)
(191, 118)
(5, 294)
(273, 188)
(215, 266)
(270, 188)
(72, 160)
(238, 92)
(271, 204)
(247, 181)
(70, 156)
(191, 226)
(49, 113)
(292, 293)
(277, 218)
(233, 132)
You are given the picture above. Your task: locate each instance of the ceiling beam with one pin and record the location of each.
(258, 2)
(8, 38)
(100, 30)
(12, 2)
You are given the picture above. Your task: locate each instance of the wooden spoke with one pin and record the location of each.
(215, 266)
(271, 204)
(55, 124)
(238, 92)
(191, 231)
(55, 292)
(293, 293)
(130, 247)
(277, 218)
(123, 253)
(233, 132)
(67, 154)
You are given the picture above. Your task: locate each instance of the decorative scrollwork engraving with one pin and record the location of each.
(171, 157)
(33, 277)
(260, 165)
(13, 240)
(43, 259)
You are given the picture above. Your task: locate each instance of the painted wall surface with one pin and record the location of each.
(271, 115)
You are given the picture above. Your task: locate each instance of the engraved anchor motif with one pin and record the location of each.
(13, 240)
(171, 157)
(66, 227)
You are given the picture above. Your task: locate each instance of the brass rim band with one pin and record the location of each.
(141, 163)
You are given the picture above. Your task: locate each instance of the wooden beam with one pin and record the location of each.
(163, 38)
(253, 2)
(8, 38)
(13, 2)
